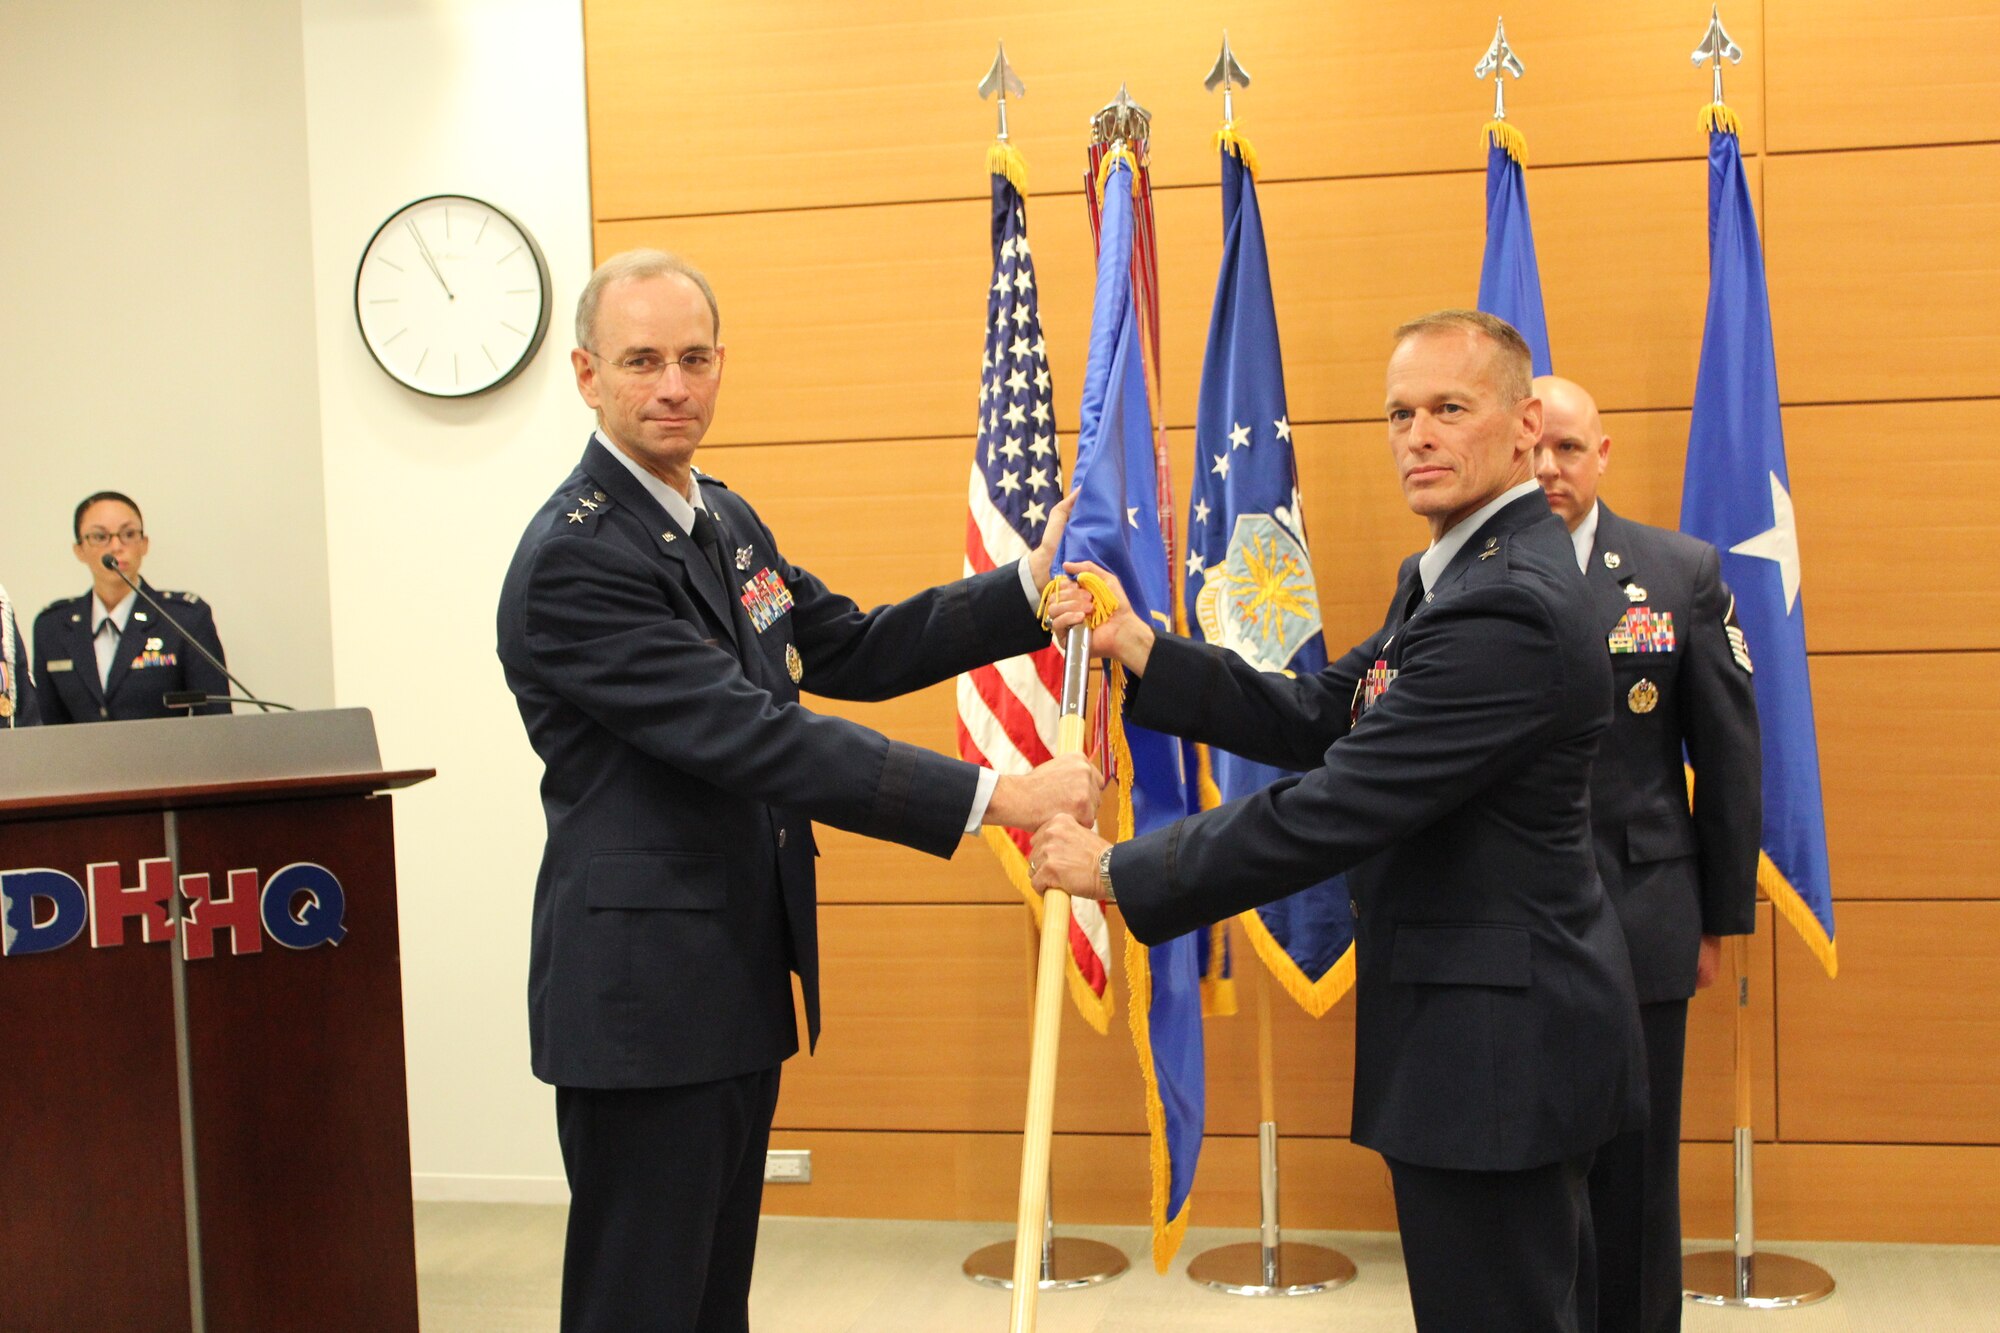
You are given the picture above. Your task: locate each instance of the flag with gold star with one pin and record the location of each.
(1249, 585)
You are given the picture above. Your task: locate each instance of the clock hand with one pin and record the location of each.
(425, 251)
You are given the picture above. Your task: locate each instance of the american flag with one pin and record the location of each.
(1007, 712)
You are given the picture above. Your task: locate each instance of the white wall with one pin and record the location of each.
(158, 336)
(425, 500)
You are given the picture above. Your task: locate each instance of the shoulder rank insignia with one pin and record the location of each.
(1492, 548)
(1642, 630)
(1643, 697)
(795, 665)
(1739, 647)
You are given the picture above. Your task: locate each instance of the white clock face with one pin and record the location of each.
(452, 296)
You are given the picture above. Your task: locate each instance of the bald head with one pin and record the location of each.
(1573, 451)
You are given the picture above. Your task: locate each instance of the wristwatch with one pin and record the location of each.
(1104, 876)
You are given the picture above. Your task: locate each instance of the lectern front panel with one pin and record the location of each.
(90, 1157)
(296, 1034)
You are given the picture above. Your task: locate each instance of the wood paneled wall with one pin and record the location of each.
(824, 164)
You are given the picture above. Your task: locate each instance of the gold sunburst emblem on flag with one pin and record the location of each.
(1260, 601)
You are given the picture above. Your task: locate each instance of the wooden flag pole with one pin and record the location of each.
(1039, 1134)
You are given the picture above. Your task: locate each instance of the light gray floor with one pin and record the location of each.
(496, 1268)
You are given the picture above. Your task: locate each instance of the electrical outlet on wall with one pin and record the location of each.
(788, 1166)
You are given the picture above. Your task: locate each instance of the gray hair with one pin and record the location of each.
(1513, 363)
(635, 264)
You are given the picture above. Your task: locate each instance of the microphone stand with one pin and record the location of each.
(110, 562)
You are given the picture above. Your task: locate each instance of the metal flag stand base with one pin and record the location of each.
(1269, 1265)
(1740, 1276)
(1068, 1262)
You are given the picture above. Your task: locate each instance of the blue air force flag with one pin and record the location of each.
(1738, 496)
(1250, 585)
(1510, 281)
(1116, 523)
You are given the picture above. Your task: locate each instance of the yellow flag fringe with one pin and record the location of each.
(1315, 997)
(1793, 908)
(1784, 898)
(1716, 118)
(1500, 134)
(1096, 1009)
(1230, 140)
(1167, 1232)
(1120, 152)
(1003, 159)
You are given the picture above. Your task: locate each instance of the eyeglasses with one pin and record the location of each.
(699, 363)
(97, 538)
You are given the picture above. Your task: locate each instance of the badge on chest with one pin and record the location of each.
(1643, 630)
(1372, 687)
(766, 598)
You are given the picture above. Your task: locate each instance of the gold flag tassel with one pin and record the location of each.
(1120, 152)
(1003, 159)
(1229, 139)
(1717, 118)
(1502, 134)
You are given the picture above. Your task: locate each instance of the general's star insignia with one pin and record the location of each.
(576, 516)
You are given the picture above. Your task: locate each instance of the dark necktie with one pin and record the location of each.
(709, 539)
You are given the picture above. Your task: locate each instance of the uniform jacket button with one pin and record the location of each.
(781, 837)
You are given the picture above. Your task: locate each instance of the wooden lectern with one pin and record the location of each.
(203, 1116)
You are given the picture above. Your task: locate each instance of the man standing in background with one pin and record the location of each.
(1680, 880)
(17, 683)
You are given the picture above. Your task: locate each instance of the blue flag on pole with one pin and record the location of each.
(1116, 523)
(1738, 496)
(1510, 281)
(1250, 585)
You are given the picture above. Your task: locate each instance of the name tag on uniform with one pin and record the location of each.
(1643, 630)
(766, 598)
(55, 664)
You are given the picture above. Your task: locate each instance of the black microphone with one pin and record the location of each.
(110, 562)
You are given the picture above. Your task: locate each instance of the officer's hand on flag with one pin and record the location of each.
(1042, 560)
(1068, 784)
(1123, 637)
(1064, 855)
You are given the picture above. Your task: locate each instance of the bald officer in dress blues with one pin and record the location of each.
(1679, 880)
(656, 640)
(1446, 769)
(108, 657)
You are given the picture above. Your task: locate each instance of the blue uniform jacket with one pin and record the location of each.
(153, 660)
(1673, 874)
(675, 897)
(1495, 1022)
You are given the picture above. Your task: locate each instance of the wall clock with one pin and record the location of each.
(452, 296)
